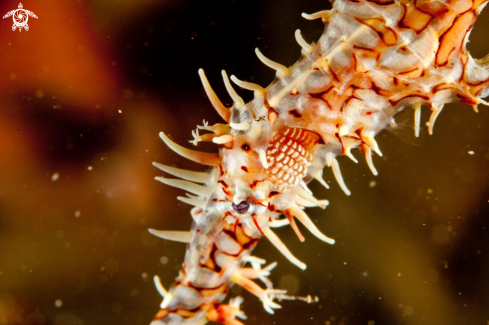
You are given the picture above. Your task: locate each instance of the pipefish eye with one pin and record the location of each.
(245, 147)
(242, 207)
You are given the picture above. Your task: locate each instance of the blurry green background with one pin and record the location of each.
(83, 95)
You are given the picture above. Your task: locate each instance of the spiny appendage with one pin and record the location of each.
(201, 286)
(346, 88)
(213, 311)
(244, 277)
(198, 295)
(432, 68)
(411, 54)
(281, 176)
(293, 139)
(416, 55)
(190, 299)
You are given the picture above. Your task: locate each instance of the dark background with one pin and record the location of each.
(83, 95)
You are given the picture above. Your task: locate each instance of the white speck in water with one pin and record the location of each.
(471, 152)
(108, 194)
(164, 260)
(372, 184)
(55, 177)
(89, 168)
(77, 213)
(120, 111)
(144, 275)
(58, 303)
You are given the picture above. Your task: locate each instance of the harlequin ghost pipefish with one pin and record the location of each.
(374, 59)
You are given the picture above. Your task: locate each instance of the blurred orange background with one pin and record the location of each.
(83, 95)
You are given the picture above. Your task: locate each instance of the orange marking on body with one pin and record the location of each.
(295, 113)
(226, 192)
(366, 53)
(273, 193)
(394, 100)
(223, 183)
(337, 135)
(386, 34)
(271, 207)
(464, 98)
(253, 185)
(381, 2)
(334, 100)
(452, 39)
(352, 97)
(227, 214)
(380, 91)
(182, 312)
(162, 313)
(188, 313)
(434, 8)
(210, 262)
(414, 18)
(335, 76)
(208, 292)
(222, 313)
(253, 217)
(413, 73)
(272, 113)
(443, 86)
(236, 232)
(322, 94)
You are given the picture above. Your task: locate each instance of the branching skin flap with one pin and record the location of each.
(374, 59)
